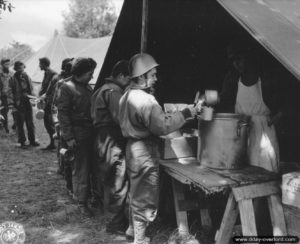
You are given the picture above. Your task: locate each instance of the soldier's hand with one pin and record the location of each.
(71, 143)
(193, 110)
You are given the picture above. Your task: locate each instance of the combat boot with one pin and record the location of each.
(139, 232)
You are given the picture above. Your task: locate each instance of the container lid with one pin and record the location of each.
(231, 116)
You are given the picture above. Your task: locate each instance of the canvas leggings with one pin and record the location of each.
(110, 170)
(143, 171)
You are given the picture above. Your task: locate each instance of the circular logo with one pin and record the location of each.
(11, 233)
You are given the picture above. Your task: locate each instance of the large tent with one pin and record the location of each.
(61, 47)
(188, 38)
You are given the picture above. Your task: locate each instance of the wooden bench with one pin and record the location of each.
(244, 186)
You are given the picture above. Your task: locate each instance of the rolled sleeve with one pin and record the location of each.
(159, 122)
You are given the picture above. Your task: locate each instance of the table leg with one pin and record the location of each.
(205, 219)
(277, 216)
(230, 215)
(247, 217)
(181, 216)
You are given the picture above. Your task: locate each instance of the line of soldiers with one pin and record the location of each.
(113, 134)
(15, 89)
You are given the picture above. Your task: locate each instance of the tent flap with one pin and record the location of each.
(274, 24)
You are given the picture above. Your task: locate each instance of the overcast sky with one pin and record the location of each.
(34, 21)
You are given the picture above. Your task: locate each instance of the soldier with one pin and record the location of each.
(5, 76)
(48, 121)
(110, 145)
(74, 100)
(19, 87)
(142, 120)
(64, 165)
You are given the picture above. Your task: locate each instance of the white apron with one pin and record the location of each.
(263, 150)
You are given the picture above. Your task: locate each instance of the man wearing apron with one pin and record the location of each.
(249, 91)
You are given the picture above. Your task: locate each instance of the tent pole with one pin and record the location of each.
(144, 33)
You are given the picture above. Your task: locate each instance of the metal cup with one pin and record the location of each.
(211, 97)
(67, 154)
(39, 114)
(207, 113)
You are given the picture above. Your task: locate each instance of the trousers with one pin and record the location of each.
(110, 168)
(143, 171)
(24, 115)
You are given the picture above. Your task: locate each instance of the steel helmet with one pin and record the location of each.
(140, 64)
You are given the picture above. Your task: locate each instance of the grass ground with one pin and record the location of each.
(34, 195)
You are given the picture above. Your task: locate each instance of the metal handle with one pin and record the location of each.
(241, 124)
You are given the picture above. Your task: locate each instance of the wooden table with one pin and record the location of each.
(244, 186)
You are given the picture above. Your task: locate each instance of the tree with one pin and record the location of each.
(5, 5)
(17, 51)
(90, 18)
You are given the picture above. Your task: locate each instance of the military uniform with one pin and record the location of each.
(4, 88)
(142, 120)
(110, 147)
(48, 121)
(19, 87)
(75, 123)
(63, 164)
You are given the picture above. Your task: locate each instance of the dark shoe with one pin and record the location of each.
(49, 147)
(23, 146)
(70, 192)
(85, 210)
(60, 172)
(129, 234)
(34, 144)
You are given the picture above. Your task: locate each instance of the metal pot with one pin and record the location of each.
(222, 142)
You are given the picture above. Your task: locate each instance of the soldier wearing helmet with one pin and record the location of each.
(142, 120)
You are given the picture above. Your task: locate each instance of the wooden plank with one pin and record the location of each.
(248, 175)
(205, 219)
(144, 34)
(181, 216)
(197, 174)
(247, 217)
(277, 216)
(255, 190)
(292, 219)
(223, 236)
(187, 205)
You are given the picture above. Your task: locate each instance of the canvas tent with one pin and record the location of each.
(188, 38)
(61, 47)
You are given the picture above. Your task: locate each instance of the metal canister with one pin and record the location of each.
(222, 142)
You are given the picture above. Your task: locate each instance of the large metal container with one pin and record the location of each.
(222, 142)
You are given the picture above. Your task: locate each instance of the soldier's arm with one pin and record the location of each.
(159, 122)
(10, 92)
(113, 97)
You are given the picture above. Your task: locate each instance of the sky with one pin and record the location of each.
(34, 21)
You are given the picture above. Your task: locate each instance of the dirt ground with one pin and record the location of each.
(34, 195)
